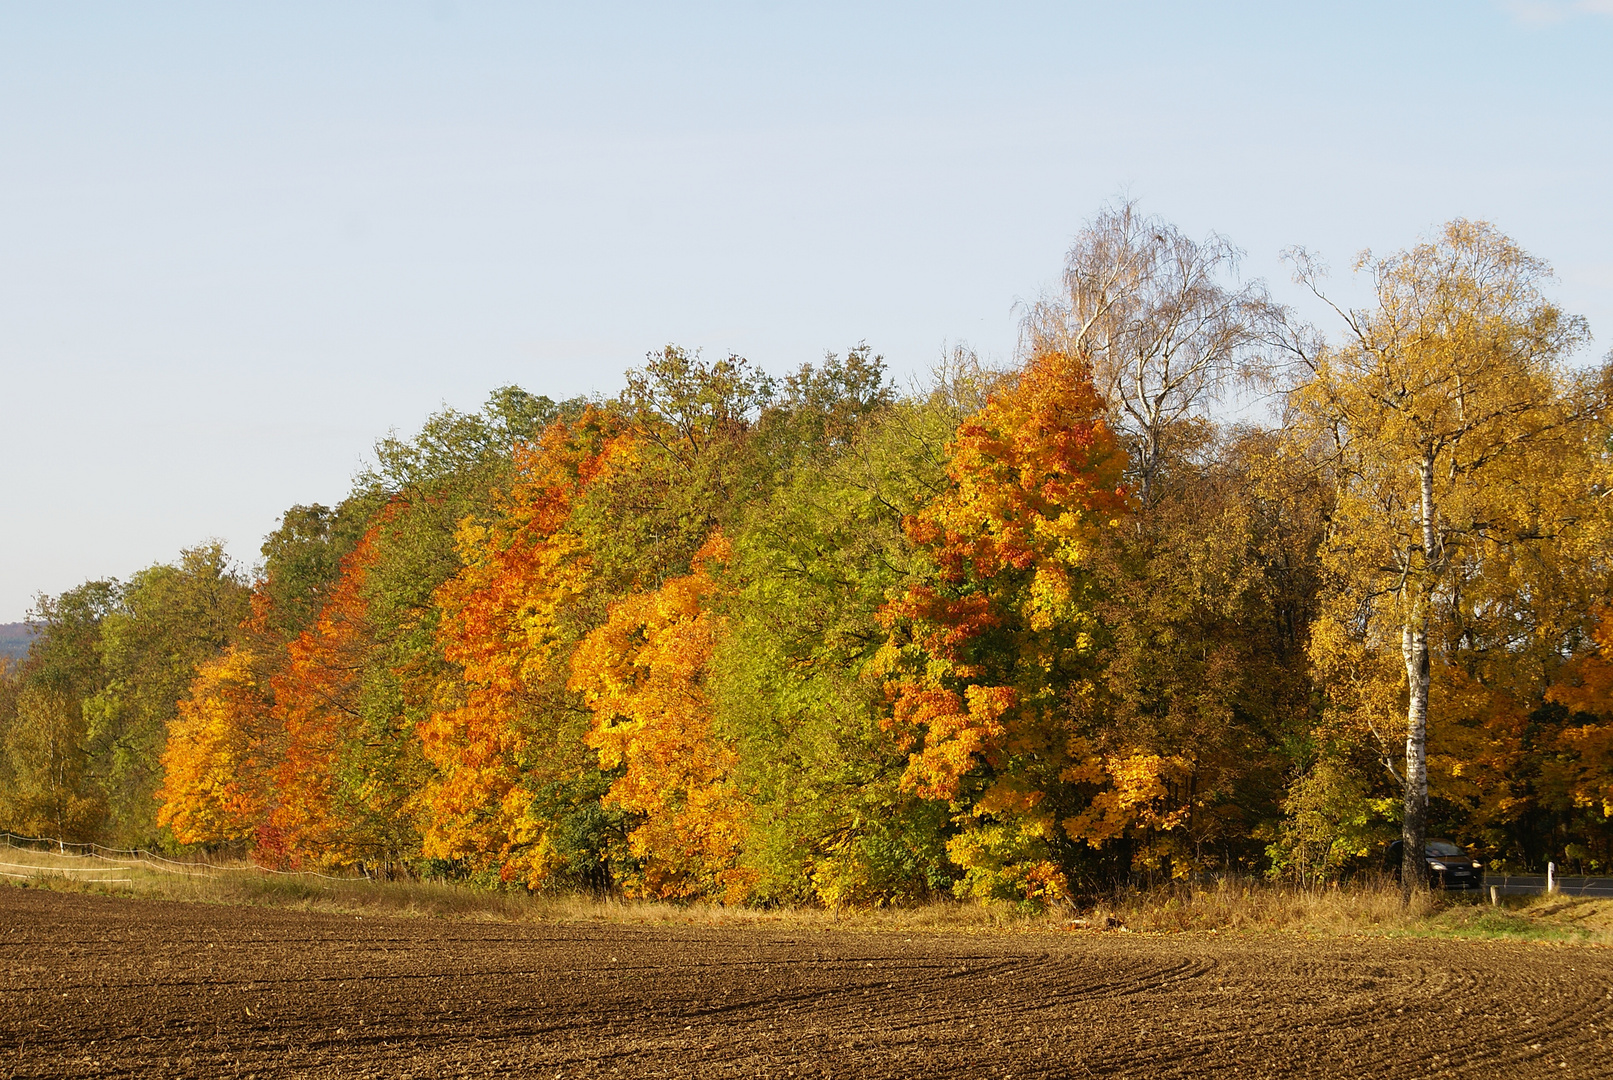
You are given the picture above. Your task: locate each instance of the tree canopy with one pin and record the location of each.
(1012, 635)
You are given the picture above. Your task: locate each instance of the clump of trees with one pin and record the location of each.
(1012, 635)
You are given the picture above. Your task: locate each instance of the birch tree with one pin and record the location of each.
(1436, 413)
(1162, 322)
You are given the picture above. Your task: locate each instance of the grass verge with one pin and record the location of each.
(221, 883)
(1226, 907)
(1373, 908)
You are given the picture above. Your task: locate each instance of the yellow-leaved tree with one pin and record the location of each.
(643, 674)
(222, 749)
(1456, 443)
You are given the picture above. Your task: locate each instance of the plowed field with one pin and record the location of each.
(96, 987)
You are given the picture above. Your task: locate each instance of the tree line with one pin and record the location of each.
(1011, 635)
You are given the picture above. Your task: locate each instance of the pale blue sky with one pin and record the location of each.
(237, 243)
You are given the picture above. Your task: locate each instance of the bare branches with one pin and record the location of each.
(1145, 307)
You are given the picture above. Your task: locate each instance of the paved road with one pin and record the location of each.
(1528, 884)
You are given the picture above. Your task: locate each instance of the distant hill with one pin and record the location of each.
(14, 639)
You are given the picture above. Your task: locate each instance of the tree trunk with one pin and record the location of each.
(1414, 649)
(1414, 832)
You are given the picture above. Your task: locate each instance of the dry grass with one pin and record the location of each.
(1245, 904)
(241, 884)
(1372, 908)
(1231, 906)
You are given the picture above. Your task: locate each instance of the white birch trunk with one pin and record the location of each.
(1414, 649)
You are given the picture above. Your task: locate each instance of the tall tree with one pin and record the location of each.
(812, 565)
(169, 620)
(985, 657)
(1161, 322)
(369, 671)
(645, 674)
(330, 808)
(223, 747)
(228, 741)
(45, 754)
(516, 791)
(48, 791)
(1206, 600)
(1433, 413)
(1585, 746)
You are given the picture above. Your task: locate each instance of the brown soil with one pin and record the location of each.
(94, 986)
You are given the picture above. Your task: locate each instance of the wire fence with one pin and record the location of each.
(107, 859)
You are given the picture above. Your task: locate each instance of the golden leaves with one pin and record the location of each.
(220, 750)
(643, 675)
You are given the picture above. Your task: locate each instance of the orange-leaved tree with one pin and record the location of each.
(511, 619)
(644, 675)
(225, 746)
(318, 701)
(1586, 748)
(989, 659)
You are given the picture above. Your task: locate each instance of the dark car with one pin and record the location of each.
(1448, 867)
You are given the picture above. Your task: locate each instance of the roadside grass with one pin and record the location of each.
(1371, 908)
(1546, 918)
(1228, 906)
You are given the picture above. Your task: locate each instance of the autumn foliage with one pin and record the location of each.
(1013, 636)
(1585, 743)
(316, 701)
(509, 620)
(218, 782)
(643, 675)
(989, 655)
